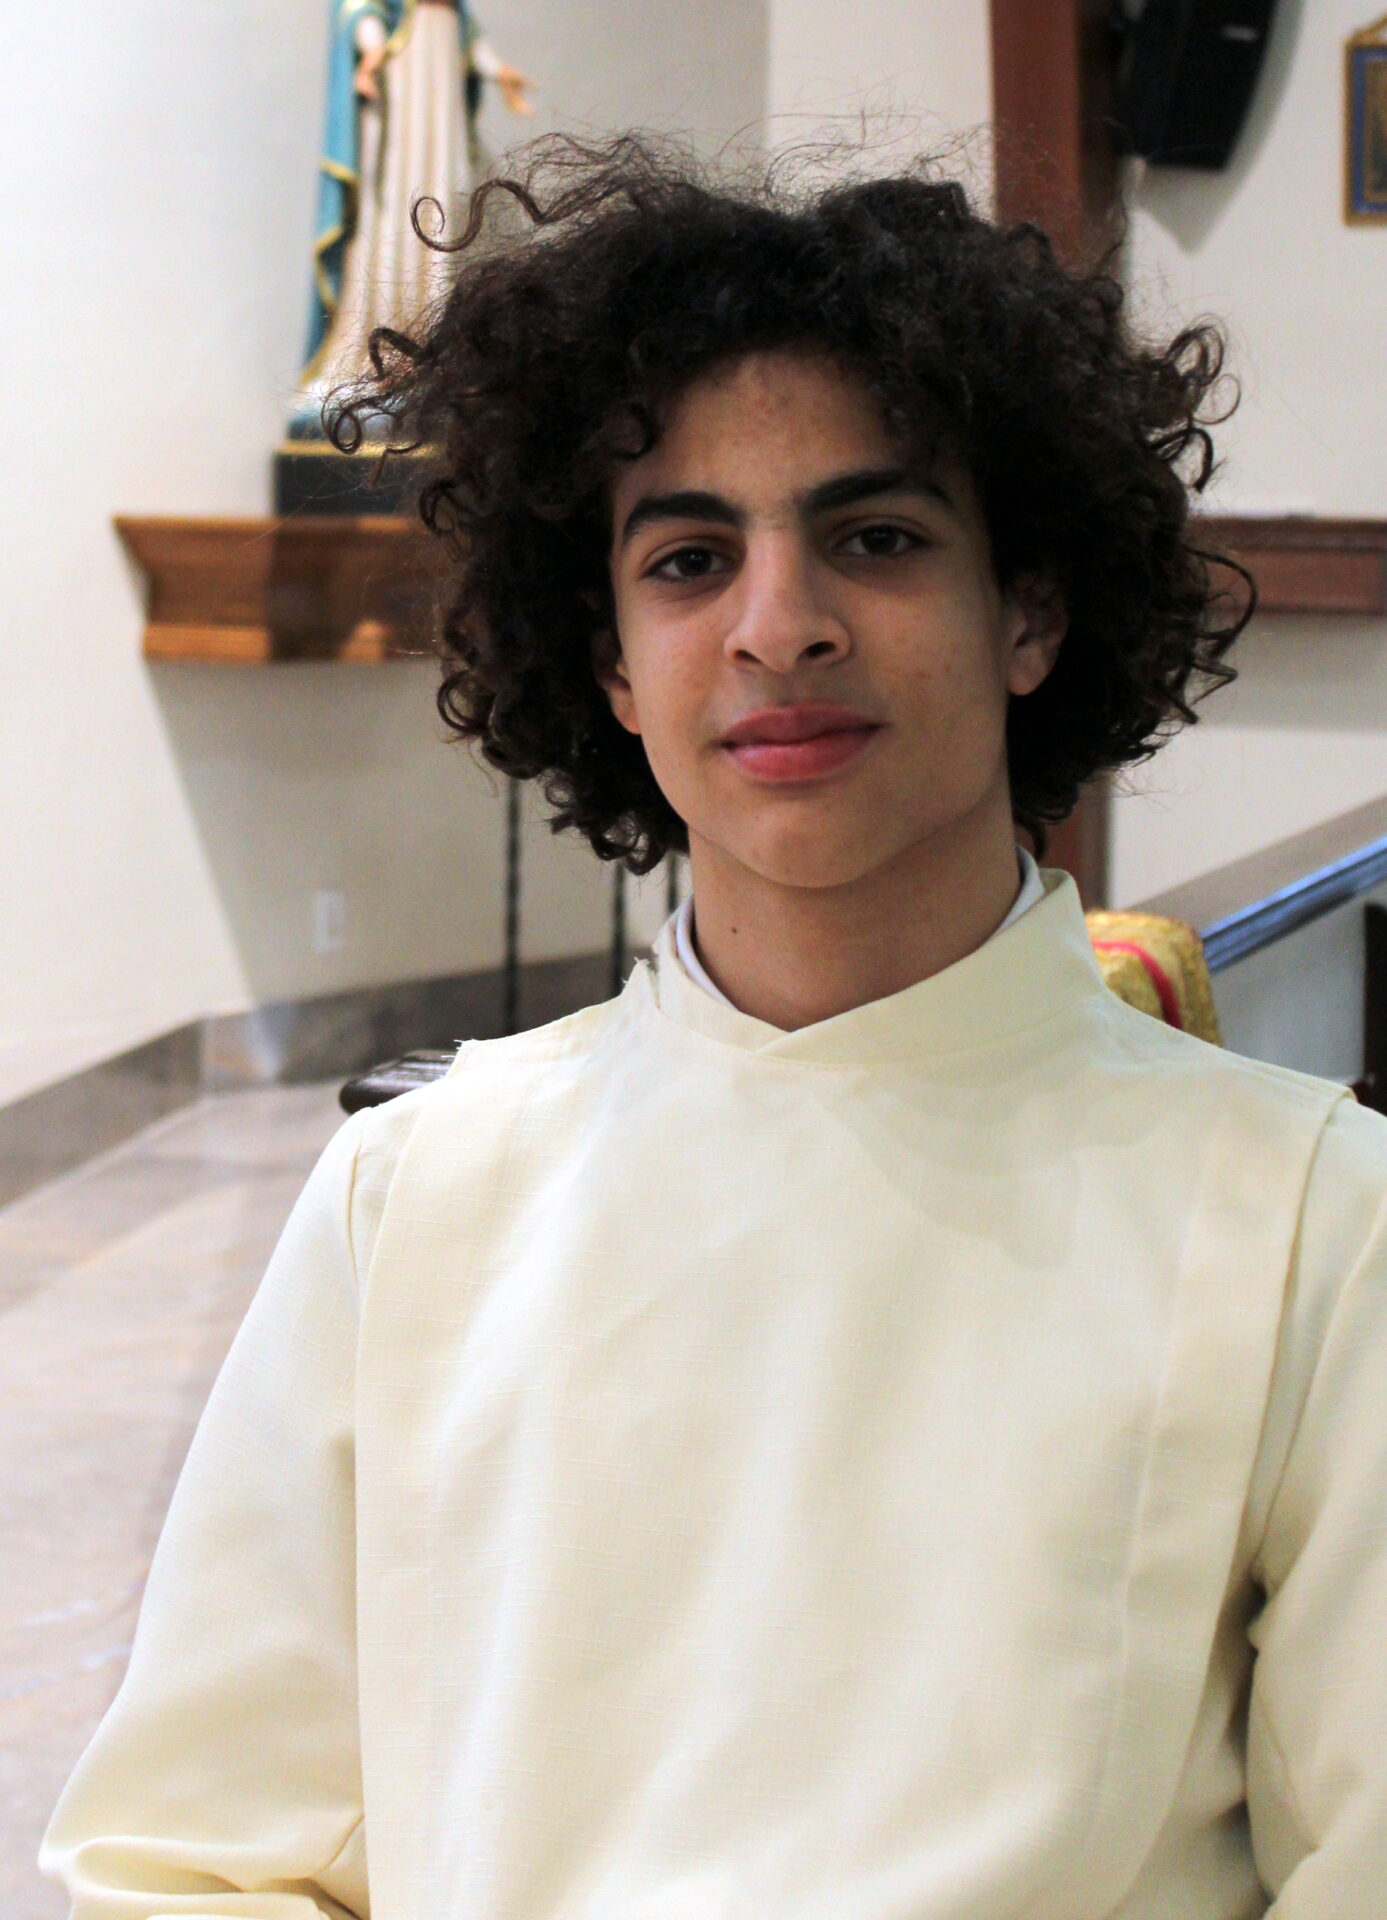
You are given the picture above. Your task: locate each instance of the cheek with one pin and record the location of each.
(959, 681)
(982, 653)
(952, 697)
(667, 705)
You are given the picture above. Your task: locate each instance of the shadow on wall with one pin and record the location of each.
(1305, 675)
(1296, 739)
(1188, 202)
(348, 842)
(351, 842)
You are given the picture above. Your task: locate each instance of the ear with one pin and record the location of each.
(609, 669)
(1036, 629)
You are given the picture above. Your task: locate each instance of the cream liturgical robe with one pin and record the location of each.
(927, 1466)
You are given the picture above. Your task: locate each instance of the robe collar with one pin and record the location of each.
(1026, 975)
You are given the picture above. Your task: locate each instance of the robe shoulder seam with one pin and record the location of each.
(1154, 1037)
(1341, 1299)
(557, 1040)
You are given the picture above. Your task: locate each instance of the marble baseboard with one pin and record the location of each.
(344, 1033)
(62, 1126)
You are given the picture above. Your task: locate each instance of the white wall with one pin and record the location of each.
(1303, 735)
(914, 75)
(167, 828)
(1299, 738)
(605, 65)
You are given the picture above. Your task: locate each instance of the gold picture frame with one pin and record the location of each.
(1365, 126)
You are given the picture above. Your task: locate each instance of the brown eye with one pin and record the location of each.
(881, 542)
(688, 563)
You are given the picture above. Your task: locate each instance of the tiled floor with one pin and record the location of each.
(120, 1289)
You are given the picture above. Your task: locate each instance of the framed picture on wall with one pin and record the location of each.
(1365, 125)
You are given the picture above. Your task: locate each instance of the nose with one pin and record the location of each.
(784, 611)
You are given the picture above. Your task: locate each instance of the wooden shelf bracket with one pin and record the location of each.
(247, 592)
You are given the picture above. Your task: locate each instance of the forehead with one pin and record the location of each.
(771, 421)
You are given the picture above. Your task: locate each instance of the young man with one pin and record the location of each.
(864, 1426)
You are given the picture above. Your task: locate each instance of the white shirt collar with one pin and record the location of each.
(1030, 891)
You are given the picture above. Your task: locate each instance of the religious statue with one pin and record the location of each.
(405, 79)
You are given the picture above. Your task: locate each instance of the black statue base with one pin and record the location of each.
(310, 476)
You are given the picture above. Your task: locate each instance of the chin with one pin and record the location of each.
(816, 861)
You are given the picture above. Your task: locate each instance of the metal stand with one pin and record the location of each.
(510, 973)
(617, 979)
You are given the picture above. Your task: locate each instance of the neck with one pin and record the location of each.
(794, 955)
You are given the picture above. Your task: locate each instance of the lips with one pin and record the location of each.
(800, 742)
(780, 726)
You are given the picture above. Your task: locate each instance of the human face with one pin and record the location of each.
(810, 640)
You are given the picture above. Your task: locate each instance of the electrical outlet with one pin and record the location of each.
(329, 920)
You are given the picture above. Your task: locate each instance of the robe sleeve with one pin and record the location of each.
(1317, 1727)
(484, 57)
(225, 1779)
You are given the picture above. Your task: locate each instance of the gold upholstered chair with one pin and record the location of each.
(1157, 965)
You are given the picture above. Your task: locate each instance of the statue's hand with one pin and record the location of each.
(367, 69)
(515, 87)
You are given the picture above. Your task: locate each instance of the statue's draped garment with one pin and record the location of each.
(379, 160)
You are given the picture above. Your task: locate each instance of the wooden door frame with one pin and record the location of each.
(1055, 165)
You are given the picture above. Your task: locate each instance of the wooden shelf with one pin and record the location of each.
(247, 592)
(1303, 564)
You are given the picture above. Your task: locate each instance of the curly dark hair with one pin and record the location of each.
(596, 283)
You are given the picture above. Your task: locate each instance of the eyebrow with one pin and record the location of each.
(680, 506)
(843, 490)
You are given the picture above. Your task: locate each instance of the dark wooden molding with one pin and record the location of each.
(1052, 73)
(1052, 76)
(247, 592)
(1080, 845)
(1255, 901)
(1305, 564)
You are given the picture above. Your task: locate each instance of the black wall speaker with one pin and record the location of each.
(1186, 74)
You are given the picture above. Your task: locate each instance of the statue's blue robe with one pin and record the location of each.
(338, 167)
